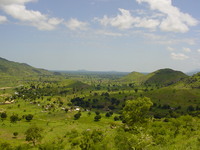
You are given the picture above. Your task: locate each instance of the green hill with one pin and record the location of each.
(162, 77)
(10, 68)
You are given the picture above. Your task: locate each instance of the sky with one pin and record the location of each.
(102, 35)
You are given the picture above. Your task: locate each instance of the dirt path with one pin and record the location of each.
(3, 88)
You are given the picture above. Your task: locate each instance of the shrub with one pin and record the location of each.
(29, 117)
(97, 117)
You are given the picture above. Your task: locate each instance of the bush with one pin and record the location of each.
(15, 134)
(107, 114)
(97, 113)
(97, 117)
(116, 118)
(14, 118)
(3, 116)
(77, 116)
(29, 117)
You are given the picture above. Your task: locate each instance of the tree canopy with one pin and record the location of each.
(136, 111)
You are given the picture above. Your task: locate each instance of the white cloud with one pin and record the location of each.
(174, 20)
(147, 23)
(126, 21)
(198, 50)
(18, 10)
(186, 49)
(74, 24)
(3, 19)
(121, 21)
(179, 56)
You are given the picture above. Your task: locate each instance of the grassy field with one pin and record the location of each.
(52, 100)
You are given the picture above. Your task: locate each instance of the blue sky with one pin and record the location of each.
(101, 35)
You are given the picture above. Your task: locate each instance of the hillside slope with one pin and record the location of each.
(10, 68)
(190, 82)
(135, 77)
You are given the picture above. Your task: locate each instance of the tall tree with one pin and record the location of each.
(136, 111)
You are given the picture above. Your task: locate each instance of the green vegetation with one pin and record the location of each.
(159, 78)
(61, 111)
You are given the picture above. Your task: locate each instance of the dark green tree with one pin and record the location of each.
(97, 118)
(116, 118)
(14, 118)
(97, 113)
(107, 114)
(3, 116)
(77, 116)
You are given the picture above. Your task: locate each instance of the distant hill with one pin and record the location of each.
(162, 77)
(134, 77)
(10, 68)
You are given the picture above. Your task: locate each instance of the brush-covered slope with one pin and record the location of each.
(190, 82)
(174, 96)
(11, 68)
(165, 77)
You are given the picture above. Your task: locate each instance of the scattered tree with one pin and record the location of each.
(97, 113)
(77, 116)
(3, 116)
(34, 134)
(14, 118)
(116, 118)
(107, 114)
(97, 117)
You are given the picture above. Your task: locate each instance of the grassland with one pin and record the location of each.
(172, 122)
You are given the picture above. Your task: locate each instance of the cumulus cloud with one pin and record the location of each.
(179, 56)
(126, 21)
(18, 10)
(74, 24)
(187, 49)
(3, 19)
(147, 23)
(121, 21)
(174, 20)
